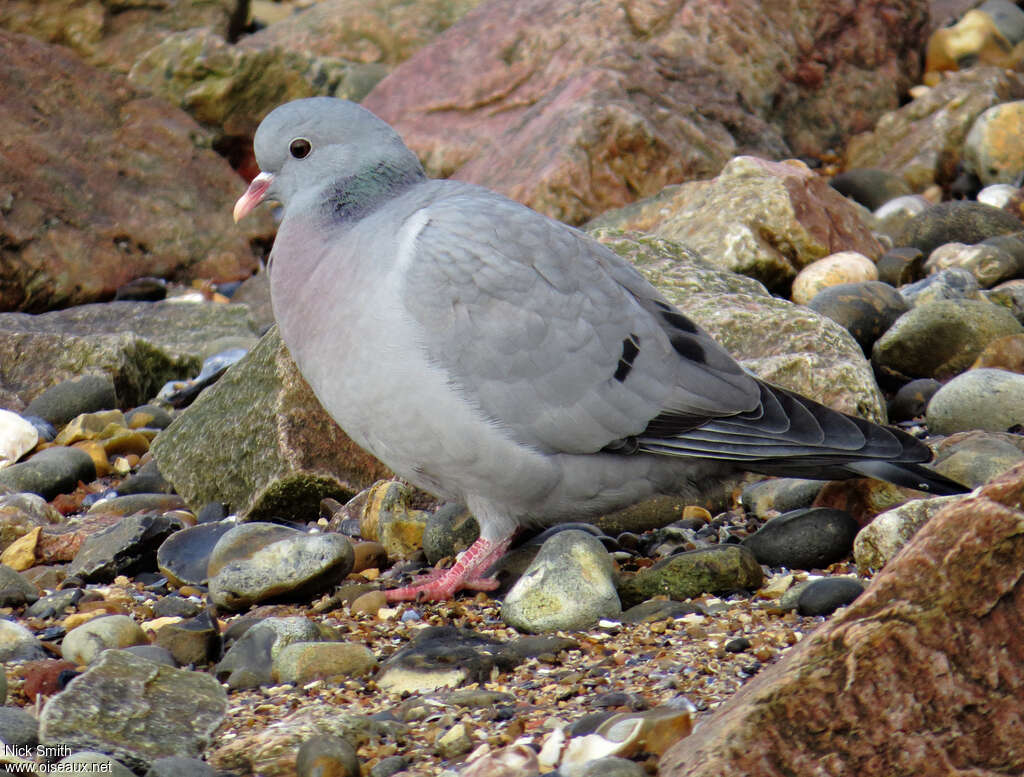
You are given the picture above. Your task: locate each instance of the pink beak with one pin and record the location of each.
(253, 195)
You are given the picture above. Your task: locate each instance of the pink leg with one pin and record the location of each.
(466, 573)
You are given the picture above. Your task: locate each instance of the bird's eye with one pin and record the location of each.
(300, 148)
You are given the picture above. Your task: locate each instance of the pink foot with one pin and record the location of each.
(466, 574)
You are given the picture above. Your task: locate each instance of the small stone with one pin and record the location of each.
(989, 262)
(148, 417)
(91, 426)
(655, 610)
(128, 547)
(18, 727)
(15, 590)
(454, 742)
(196, 640)
(326, 756)
(988, 399)
(87, 762)
(254, 562)
(388, 519)
(248, 663)
(3, 687)
(828, 594)
(56, 604)
(716, 569)
(84, 643)
(64, 401)
(609, 766)
(956, 221)
(175, 606)
(832, 270)
(154, 653)
(737, 645)
(368, 555)
(17, 437)
(393, 764)
(911, 400)
(804, 539)
(871, 187)
(1009, 295)
(899, 266)
(512, 761)
(779, 495)
(448, 532)
(954, 283)
(147, 480)
(1006, 353)
(177, 766)
(976, 457)
(50, 472)
(369, 603)
(184, 557)
(22, 512)
(18, 643)
(998, 195)
(865, 310)
(991, 150)
(570, 585)
(881, 539)
(44, 677)
(445, 656)
(136, 710)
(21, 554)
(303, 662)
(892, 218)
(940, 339)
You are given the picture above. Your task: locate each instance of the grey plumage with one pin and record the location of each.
(499, 358)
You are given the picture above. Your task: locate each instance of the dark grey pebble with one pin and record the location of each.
(18, 728)
(825, 596)
(142, 290)
(50, 472)
(154, 653)
(147, 480)
(175, 606)
(911, 400)
(589, 723)
(15, 589)
(869, 186)
(956, 221)
(864, 309)
(56, 604)
(127, 547)
(737, 645)
(658, 610)
(326, 754)
(179, 766)
(804, 539)
(185, 555)
(63, 401)
(450, 530)
(149, 416)
(386, 767)
(192, 641)
(212, 512)
(899, 266)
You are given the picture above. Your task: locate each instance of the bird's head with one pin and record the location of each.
(305, 145)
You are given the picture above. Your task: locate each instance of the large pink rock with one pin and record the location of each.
(100, 184)
(576, 108)
(922, 675)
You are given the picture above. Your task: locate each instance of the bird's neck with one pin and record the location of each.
(353, 197)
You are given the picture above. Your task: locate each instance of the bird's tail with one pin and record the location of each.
(908, 475)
